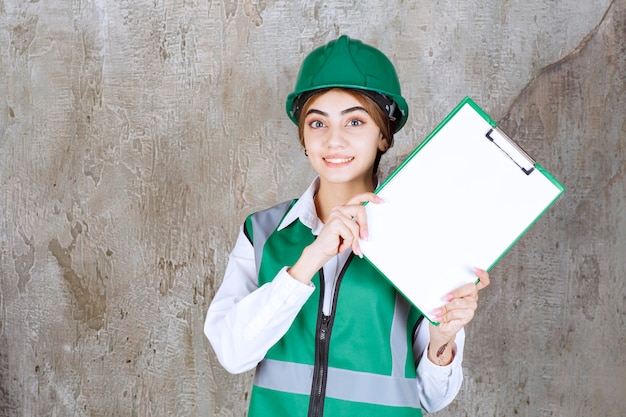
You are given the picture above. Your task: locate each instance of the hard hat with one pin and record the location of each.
(349, 63)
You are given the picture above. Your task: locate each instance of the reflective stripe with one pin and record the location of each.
(342, 384)
(371, 388)
(398, 341)
(294, 377)
(263, 225)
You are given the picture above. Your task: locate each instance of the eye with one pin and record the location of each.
(316, 124)
(355, 122)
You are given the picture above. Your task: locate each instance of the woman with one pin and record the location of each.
(329, 335)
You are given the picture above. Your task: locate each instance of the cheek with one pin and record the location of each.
(305, 140)
(370, 149)
(308, 144)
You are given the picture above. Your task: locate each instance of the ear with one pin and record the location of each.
(383, 144)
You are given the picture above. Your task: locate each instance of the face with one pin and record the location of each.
(341, 139)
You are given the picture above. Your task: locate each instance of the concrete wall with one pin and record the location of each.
(136, 135)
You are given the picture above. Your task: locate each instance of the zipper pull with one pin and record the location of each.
(324, 326)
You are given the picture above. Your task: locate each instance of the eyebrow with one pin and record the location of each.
(343, 112)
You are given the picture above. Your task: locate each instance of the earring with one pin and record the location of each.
(305, 154)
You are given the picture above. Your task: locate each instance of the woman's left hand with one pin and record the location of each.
(459, 311)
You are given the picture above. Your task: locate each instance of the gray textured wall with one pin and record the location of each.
(136, 135)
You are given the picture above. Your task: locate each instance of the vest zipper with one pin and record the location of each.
(322, 346)
(318, 388)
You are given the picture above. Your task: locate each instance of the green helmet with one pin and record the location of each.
(349, 63)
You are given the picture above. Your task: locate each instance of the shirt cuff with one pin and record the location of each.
(286, 297)
(291, 290)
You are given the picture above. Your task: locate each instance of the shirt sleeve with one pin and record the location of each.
(437, 385)
(244, 320)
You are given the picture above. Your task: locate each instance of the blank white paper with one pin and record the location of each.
(458, 203)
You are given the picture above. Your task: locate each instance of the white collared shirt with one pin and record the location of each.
(244, 321)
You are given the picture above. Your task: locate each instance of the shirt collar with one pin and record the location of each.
(304, 209)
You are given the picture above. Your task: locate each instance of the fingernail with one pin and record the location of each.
(364, 235)
(437, 312)
(448, 297)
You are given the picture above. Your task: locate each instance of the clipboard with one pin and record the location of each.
(460, 200)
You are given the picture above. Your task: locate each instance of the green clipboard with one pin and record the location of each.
(459, 201)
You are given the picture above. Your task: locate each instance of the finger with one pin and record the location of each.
(463, 315)
(354, 217)
(344, 244)
(360, 219)
(464, 303)
(360, 215)
(439, 313)
(358, 229)
(467, 290)
(348, 233)
(460, 309)
(483, 277)
(469, 301)
(363, 198)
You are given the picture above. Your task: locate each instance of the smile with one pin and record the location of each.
(338, 160)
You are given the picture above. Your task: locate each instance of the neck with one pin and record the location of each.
(330, 195)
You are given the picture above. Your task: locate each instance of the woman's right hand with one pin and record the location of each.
(343, 228)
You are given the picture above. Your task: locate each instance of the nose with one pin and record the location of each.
(335, 137)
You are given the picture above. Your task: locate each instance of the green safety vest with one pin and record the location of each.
(361, 364)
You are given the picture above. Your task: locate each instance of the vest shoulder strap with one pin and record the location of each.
(260, 225)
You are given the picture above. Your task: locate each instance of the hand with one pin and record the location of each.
(452, 317)
(343, 228)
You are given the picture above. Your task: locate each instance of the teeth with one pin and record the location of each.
(338, 160)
